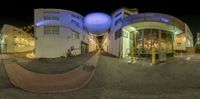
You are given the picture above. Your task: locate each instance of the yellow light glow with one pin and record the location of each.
(105, 41)
(30, 55)
(22, 39)
(184, 38)
(17, 39)
(5, 36)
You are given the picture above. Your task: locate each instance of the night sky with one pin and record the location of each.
(20, 13)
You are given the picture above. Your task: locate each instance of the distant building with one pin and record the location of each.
(198, 39)
(14, 40)
(197, 45)
(58, 31)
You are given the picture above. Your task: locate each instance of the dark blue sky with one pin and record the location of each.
(20, 12)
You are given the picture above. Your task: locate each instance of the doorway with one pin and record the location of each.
(84, 48)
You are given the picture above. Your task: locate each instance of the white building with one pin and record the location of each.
(14, 40)
(131, 30)
(198, 39)
(57, 31)
(197, 45)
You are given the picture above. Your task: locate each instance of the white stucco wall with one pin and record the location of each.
(56, 45)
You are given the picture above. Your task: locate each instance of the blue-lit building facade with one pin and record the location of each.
(58, 30)
(142, 31)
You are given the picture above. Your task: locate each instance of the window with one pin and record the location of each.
(75, 17)
(118, 34)
(51, 12)
(179, 44)
(14, 30)
(51, 18)
(75, 35)
(118, 14)
(126, 13)
(118, 21)
(74, 22)
(51, 30)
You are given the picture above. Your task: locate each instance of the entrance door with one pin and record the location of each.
(84, 48)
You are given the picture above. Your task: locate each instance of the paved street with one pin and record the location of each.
(64, 82)
(179, 78)
(55, 65)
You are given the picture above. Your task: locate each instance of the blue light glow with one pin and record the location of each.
(46, 22)
(40, 23)
(97, 22)
(164, 20)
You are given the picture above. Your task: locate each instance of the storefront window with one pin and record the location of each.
(139, 39)
(166, 41)
(151, 39)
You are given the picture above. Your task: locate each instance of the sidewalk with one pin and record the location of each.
(51, 83)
